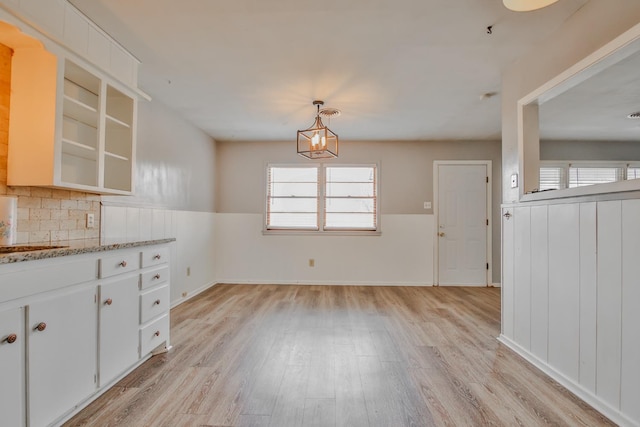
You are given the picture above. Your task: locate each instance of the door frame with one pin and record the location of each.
(436, 246)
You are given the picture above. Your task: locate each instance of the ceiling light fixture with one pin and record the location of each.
(526, 5)
(318, 141)
(634, 115)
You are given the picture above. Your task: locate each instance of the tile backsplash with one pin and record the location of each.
(45, 215)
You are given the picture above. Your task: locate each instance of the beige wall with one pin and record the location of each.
(44, 215)
(591, 27)
(590, 150)
(406, 174)
(406, 170)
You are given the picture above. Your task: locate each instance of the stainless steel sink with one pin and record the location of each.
(27, 248)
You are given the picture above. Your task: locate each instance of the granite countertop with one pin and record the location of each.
(72, 247)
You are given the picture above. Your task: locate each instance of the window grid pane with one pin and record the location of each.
(582, 176)
(633, 173)
(552, 178)
(292, 197)
(350, 198)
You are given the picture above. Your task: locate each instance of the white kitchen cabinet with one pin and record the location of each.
(154, 299)
(12, 359)
(118, 338)
(62, 334)
(84, 138)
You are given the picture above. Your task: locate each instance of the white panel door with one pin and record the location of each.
(119, 320)
(12, 345)
(462, 225)
(609, 301)
(539, 282)
(62, 354)
(630, 387)
(564, 289)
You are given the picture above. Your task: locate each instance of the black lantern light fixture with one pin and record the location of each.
(318, 141)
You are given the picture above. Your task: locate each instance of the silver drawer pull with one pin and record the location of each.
(157, 276)
(157, 256)
(123, 264)
(156, 302)
(157, 334)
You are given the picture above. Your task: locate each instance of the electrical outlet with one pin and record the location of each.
(514, 180)
(427, 205)
(188, 271)
(312, 262)
(91, 220)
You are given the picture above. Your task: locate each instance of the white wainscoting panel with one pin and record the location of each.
(630, 357)
(522, 276)
(401, 255)
(609, 328)
(508, 250)
(539, 282)
(564, 288)
(584, 282)
(588, 295)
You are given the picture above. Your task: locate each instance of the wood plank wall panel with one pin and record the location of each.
(507, 273)
(539, 282)
(522, 276)
(609, 329)
(630, 381)
(564, 287)
(588, 296)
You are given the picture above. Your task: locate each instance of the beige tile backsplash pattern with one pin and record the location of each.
(45, 215)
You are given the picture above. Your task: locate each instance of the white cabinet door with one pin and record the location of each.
(118, 327)
(12, 345)
(62, 354)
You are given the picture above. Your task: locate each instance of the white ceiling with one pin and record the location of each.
(397, 69)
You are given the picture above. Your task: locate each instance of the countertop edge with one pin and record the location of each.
(75, 249)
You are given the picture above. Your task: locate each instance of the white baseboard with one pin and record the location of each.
(192, 294)
(495, 285)
(318, 283)
(598, 404)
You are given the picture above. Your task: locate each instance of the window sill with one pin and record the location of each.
(321, 233)
(590, 190)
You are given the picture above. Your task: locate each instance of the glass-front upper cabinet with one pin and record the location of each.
(76, 132)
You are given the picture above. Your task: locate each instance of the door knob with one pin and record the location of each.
(441, 234)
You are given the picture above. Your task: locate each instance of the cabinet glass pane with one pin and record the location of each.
(117, 173)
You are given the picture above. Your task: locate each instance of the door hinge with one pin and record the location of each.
(95, 378)
(487, 222)
(487, 180)
(487, 266)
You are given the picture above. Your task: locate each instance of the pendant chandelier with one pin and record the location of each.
(527, 5)
(318, 141)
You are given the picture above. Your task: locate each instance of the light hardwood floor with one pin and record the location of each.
(285, 356)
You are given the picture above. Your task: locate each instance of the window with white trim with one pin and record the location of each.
(558, 175)
(322, 198)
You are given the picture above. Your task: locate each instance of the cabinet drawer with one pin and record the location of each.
(118, 264)
(154, 303)
(153, 335)
(155, 256)
(154, 277)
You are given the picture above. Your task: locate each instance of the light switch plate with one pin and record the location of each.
(90, 220)
(514, 180)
